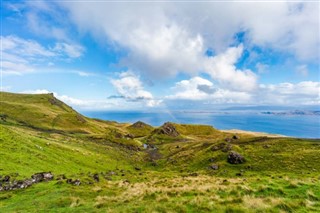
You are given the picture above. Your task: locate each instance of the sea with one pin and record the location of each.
(301, 126)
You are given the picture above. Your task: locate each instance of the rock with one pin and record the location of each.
(76, 182)
(214, 167)
(235, 158)
(167, 129)
(6, 178)
(236, 137)
(111, 173)
(47, 175)
(96, 177)
(38, 177)
(21, 184)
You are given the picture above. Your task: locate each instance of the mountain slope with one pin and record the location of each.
(139, 168)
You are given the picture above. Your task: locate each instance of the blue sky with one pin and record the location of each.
(135, 55)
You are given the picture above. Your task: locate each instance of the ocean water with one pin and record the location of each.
(302, 126)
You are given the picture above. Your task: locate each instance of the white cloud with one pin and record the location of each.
(131, 89)
(37, 91)
(222, 68)
(23, 47)
(191, 89)
(159, 32)
(199, 89)
(167, 38)
(98, 104)
(305, 92)
(21, 56)
(83, 74)
(72, 51)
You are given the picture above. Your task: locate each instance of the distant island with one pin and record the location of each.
(295, 112)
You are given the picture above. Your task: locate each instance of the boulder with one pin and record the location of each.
(236, 137)
(6, 178)
(214, 167)
(235, 158)
(38, 177)
(96, 177)
(76, 182)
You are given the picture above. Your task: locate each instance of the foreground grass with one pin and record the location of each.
(174, 194)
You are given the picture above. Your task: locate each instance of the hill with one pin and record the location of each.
(101, 166)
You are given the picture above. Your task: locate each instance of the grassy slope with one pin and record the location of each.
(280, 174)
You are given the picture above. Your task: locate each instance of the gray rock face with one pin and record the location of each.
(76, 182)
(235, 158)
(42, 176)
(6, 185)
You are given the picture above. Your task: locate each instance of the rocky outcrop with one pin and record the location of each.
(7, 185)
(235, 158)
(167, 129)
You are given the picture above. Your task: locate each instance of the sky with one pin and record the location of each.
(143, 55)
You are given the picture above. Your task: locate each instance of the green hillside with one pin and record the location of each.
(139, 168)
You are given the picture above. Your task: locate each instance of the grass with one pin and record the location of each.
(279, 175)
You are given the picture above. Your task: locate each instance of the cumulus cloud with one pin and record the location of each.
(159, 29)
(222, 68)
(170, 37)
(200, 89)
(193, 89)
(25, 55)
(131, 89)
